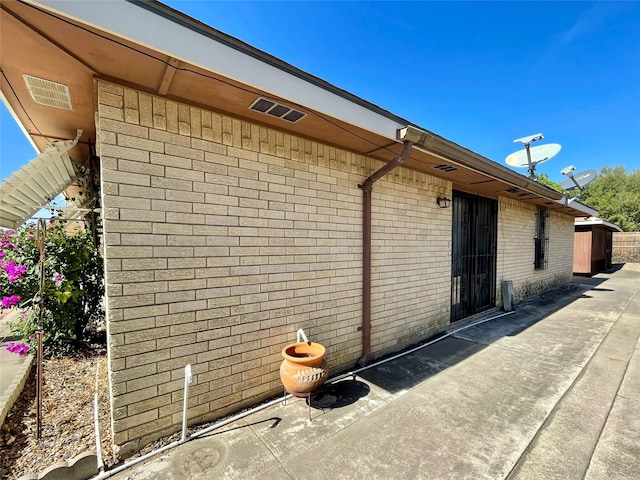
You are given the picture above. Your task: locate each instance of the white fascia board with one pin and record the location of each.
(581, 207)
(137, 24)
(598, 221)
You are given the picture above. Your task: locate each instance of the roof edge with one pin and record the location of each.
(436, 144)
(197, 26)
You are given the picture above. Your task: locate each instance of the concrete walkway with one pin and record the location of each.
(551, 391)
(14, 369)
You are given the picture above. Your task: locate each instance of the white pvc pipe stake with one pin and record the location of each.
(188, 378)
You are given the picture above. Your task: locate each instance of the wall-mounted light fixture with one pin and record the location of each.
(444, 202)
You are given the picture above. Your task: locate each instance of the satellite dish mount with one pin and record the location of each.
(527, 142)
(579, 180)
(531, 157)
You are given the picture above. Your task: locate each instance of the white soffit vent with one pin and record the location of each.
(270, 107)
(46, 92)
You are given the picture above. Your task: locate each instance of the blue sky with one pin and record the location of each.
(478, 73)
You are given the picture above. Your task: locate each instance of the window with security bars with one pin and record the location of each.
(542, 239)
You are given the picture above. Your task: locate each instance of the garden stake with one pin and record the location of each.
(41, 234)
(40, 349)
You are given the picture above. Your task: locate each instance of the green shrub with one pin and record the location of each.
(73, 285)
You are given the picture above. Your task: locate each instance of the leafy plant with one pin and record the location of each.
(73, 285)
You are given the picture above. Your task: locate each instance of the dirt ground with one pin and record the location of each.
(67, 416)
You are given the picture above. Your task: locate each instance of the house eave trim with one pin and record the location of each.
(194, 43)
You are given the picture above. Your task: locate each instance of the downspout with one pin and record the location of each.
(367, 188)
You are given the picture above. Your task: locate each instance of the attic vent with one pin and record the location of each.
(512, 190)
(46, 92)
(277, 110)
(445, 168)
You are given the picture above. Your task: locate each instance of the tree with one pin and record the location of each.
(544, 179)
(615, 193)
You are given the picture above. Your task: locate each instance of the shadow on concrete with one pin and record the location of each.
(419, 366)
(275, 421)
(340, 394)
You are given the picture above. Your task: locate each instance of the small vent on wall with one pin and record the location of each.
(46, 92)
(445, 168)
(269, 107)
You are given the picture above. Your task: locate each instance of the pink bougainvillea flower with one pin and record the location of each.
(15, 272)
(8, 302)
(19, 348)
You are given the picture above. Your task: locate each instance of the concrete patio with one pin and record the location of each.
(550, 391)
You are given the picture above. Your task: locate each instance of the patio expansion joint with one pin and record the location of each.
(272, 452)
(516, 467)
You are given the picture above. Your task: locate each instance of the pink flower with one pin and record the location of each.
(57, 278)
(15, 272)
(8, 302)
(19, 348)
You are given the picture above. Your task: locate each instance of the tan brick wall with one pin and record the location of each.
(224, 237)
(516, 231)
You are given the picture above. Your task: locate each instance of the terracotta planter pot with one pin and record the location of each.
(304, 368)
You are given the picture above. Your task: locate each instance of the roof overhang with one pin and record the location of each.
(182, 59)
(592, 221)
(36, 184)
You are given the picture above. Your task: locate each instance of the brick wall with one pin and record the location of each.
(516, 231)
(224, 237)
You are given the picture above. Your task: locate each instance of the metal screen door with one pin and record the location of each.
(473, 254)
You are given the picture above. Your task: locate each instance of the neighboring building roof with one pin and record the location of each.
(591, 221)
(70, 44)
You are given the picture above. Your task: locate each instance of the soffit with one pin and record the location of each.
(72, 53)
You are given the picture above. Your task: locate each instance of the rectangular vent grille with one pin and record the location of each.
(512, 190)
(445, 168)
(278, 110)
(46, 92)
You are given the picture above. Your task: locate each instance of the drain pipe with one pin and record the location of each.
(279, 400)
(367, 188)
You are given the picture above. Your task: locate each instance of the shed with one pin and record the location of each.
(592, 245)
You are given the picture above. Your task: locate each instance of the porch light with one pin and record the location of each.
(444, 202)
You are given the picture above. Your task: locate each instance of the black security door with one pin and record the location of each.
(473, 254)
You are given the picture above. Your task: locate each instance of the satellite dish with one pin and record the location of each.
(579, 180)
(532, 157)
(539, 154)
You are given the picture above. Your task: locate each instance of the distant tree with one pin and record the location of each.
(544, 179)
(615, 193)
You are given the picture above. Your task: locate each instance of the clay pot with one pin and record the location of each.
(304, 368)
